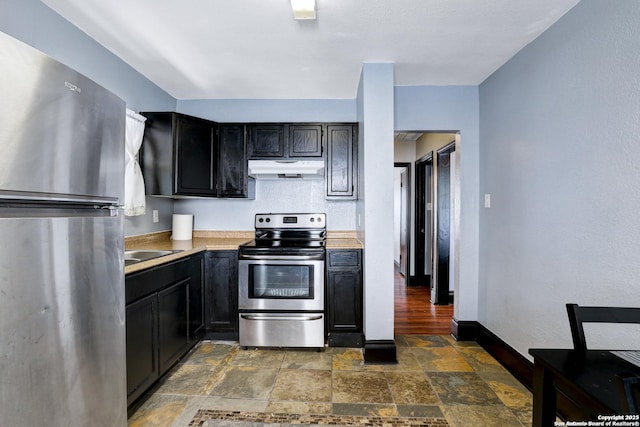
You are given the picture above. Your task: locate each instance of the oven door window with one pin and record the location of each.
(281, 281)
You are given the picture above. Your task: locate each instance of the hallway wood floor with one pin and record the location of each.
(414, 313)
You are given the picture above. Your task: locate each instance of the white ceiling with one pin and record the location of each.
(216, 49)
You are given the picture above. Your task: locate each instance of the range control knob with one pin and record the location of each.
(312, 219)
(268, 219)
(261, 220)
(319, 219)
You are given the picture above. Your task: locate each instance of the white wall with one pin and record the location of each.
(271, 196)
(375, 96)
(559, 154)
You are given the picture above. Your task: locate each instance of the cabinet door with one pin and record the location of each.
(156, 154)
(221, 292)
(232, 176)
(266, 141)
(142, 346)
(196, 298)
(345, 299)
(173, 323)
(195, 160)
(305, 140)
(342, 160)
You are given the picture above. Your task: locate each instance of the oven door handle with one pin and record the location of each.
(267, 317)
(283, 257)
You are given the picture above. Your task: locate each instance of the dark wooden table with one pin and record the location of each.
(586, 380)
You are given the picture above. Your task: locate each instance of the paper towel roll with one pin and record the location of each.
(182, 227)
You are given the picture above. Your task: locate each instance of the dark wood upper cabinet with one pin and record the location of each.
(285, 140)
(196, 157)
(232, 174)
(179, 155)
(188, 156)
(266, 141)
(342, 162)
(305, 140)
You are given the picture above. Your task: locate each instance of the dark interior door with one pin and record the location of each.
(424, 221)
(443, 235)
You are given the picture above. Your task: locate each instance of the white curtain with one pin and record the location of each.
(134, 202)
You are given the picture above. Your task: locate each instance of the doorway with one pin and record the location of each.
(418, 309)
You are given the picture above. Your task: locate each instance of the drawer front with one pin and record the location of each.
(339, 258)
(281, 329)
(154, 279)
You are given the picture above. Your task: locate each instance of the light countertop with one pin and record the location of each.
(212, 241)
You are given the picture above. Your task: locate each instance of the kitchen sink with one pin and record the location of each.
(133, 257)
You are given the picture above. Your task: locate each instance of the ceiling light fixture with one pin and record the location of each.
(303, 9)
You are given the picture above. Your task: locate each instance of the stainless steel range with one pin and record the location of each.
(281, 282)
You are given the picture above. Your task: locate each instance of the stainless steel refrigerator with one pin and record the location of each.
(62, 335)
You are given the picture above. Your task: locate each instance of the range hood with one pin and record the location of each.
(283, 169)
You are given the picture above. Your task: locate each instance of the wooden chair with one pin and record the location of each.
(579, 315)
(628, 386)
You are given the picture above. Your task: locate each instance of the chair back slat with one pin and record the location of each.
(579, 315)
(609, 314)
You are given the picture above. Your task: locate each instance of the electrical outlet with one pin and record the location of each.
(155, 216)
(487, 200)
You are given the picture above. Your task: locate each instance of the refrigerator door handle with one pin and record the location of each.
(11, 196)
(113, 210)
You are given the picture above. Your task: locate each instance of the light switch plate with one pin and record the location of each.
(155, 216)
(487, 200)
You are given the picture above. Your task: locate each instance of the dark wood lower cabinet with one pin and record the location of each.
(221, 294)
(142, 346)
(173, 323)
(344, 298)
(161, 320)
(196, 298)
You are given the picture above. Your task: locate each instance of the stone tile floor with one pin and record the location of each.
(435, 377)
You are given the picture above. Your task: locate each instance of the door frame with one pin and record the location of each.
(407, 237)
(438, 296)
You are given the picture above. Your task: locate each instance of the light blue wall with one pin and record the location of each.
(375, 116)
(559, 132)
(35, 24)
(452, 109)
(271, 110)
